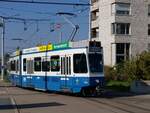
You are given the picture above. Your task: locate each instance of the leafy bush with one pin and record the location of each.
(135, 69)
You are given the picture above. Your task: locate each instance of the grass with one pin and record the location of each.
(123, 86)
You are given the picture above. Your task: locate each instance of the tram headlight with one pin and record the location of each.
(97, 81)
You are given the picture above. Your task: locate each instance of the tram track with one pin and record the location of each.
(135, 106)
(128, 108)
(116, 105)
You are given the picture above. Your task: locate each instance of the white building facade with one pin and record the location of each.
(122, 26)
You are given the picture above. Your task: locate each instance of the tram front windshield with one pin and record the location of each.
(95, 62)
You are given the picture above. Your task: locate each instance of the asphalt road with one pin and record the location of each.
(18, 100)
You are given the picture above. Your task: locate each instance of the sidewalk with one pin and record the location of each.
(6, 105)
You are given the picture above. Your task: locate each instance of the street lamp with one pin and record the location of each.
(2, 25)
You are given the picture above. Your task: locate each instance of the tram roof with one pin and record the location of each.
(51, 47)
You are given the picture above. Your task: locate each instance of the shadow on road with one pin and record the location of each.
(34, 105)
(117, 94)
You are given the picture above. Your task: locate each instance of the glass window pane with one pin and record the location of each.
(120, 48)
(149, 10)
(122, 8)
(28, 67)
(80, 63)
(96, 62)
(113, 28)
(55, 63)
(149, 47)
(127, 51)
(148, 29)
(24, 64)
(37, 64)
(120, 28)
(120, 59)
(13, 65)
(45, 66)
(17, 66)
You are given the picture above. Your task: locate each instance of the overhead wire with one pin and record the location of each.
(28, 11)
(17, 19)
(46, 2)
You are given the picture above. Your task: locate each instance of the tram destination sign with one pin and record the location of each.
(61, 46)
(95, 49)
(95, 46)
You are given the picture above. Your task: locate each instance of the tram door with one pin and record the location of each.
(65, 72)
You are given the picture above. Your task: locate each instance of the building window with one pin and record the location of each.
(149, 47)
(80, 63)
(24, 64)
(149, 10)
(37, 64)
(55, 63)
(94, 1)
(95, 33)
(121, 28)
(95, 15)
(121, 8)
(122, 52)
(148, 29)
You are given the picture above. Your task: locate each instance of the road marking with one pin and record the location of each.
(14, 104)
(2, 92)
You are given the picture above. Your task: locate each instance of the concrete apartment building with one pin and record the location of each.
(122, 26)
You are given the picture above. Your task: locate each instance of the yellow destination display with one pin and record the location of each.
(45, 47)
(17, 52)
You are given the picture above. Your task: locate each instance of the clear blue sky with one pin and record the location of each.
(15, 29)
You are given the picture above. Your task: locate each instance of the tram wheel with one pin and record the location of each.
(85, 92)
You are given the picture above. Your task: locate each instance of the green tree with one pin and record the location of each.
(136, 68)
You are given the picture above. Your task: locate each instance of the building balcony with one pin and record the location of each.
(95, 6)
(95, 23)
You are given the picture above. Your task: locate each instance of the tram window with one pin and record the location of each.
(8, 66)
(24, 64)
(17, 66)
(13, 66)
(29, 66)
(45, 66)
(69, 65)
(63, 65)
(55, 63)
(62, 68)
(79, 63)
(96, 62)
(37, 64)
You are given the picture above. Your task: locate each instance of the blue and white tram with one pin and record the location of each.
(69, 69)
